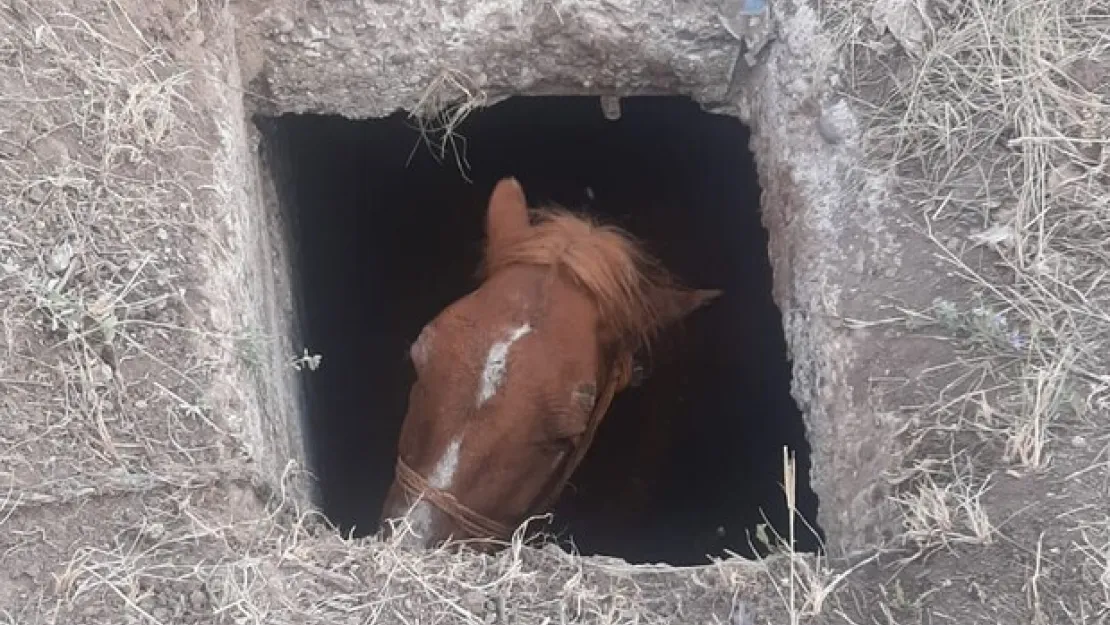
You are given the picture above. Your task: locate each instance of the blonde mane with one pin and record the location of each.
(605, 261)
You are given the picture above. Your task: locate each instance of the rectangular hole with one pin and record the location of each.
(386, 235)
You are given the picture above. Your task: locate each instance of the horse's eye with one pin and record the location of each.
(566, 429)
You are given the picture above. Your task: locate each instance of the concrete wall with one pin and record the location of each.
(835, 250)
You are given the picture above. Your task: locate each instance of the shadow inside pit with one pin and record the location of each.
(385, 236)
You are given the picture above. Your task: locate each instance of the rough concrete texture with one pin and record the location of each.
(842, 248)
(369, 59)
(823, 221)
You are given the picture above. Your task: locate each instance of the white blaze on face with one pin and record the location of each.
(441, 478)
(493, 375)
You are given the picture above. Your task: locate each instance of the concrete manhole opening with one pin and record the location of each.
(385, 234)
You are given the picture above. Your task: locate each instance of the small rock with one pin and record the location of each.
(60, 258)
(343, 43)
(906, 23)
(474, 601)
(161, 615)
(836, 123)
(101, 374)
(154, 531)
(198, 600)
(102, 307)
(1078, 441)
(280, 22)
(37, 194)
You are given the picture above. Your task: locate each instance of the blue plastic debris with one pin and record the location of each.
(753, 7)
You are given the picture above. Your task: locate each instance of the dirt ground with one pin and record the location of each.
(128, 494)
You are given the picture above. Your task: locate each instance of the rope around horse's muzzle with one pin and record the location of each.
(480, 526)
(476, 524)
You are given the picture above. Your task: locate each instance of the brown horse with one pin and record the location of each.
(513, 379)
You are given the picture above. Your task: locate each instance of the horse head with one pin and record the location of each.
(513, 379)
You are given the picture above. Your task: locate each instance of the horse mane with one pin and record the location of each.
(608, 263)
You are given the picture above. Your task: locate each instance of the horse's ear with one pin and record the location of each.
(507, 215)
(677, 303)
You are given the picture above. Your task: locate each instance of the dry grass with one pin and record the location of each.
(98, 187)
(454, 94)
(286, 567)
(1095, 546)
(803, 584)
(125, 498)
(998, 131)
(997, 135)
(444, 106)
(994, 119)
(937, 516)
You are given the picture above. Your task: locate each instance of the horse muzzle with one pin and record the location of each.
(426, 517)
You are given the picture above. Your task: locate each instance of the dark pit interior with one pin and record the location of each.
(385, 235)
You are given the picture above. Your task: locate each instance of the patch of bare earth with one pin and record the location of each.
(125, 498)
(994, 117)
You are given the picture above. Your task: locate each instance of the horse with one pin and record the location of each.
(513, 379)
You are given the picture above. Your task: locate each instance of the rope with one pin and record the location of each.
(481, 526)
(474, 523)
(620, 377)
